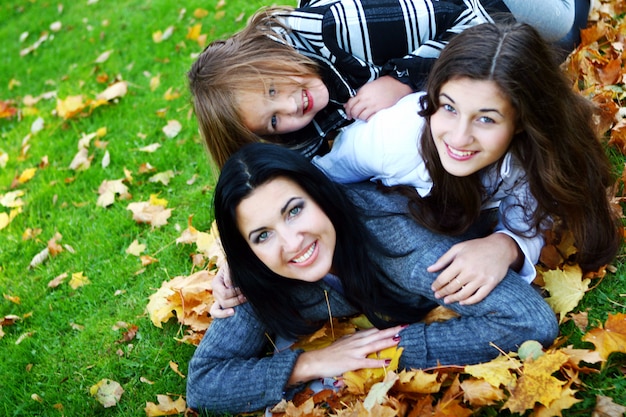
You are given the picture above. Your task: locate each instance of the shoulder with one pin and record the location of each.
(370, 200)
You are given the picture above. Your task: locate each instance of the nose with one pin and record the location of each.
(287, 105)
(291, 240)
(460, 134)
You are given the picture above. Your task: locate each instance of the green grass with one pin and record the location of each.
(58, 362)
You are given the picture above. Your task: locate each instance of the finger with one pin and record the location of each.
(226, 276)
(462, 293)
(452, 288)
(367, 113)
(443, 261)
(477, 297)
(216, 311)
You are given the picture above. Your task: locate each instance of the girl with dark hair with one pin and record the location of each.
(296, 76)
(304, 250)
(499, 126)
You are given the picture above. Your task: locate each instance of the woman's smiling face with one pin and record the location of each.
(287, 230)
(283, 108)
(473, 126)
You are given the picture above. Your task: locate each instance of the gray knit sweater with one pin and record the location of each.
(232, 372)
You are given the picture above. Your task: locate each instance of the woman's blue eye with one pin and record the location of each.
(448, 107)
(485, 119)
(294, 211)
(272, 92)
(262, 237)
(274, 121)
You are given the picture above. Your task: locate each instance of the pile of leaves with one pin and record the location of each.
(532, 380)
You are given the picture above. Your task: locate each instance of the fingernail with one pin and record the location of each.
(387, 362)
(396, 338)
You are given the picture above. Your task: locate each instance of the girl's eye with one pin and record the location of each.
(448, 108)
(274, 121)
(485, 119)
(272, 92)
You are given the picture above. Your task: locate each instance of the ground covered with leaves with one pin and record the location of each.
(108, 249)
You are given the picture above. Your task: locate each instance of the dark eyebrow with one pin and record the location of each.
(282, 211)
(481, 110)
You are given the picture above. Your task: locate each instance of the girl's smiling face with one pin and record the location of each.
(283, 108)
(287, 230)
(473, 126)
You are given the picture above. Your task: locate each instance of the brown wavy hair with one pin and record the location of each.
(568, 171)
(245, 62)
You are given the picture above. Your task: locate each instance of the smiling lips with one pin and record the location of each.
(458, 154)
(306, 255)
(307, 101)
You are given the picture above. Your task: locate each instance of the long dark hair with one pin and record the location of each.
(271, 295)
(567, 169)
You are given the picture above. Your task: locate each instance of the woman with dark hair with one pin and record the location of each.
(304, 249)
(499, 126)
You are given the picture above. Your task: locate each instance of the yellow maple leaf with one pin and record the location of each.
(156, 201)
(325, 336)
(450, 403)
(200, 13)
(78, 280)
(565, 401)
(610, 338)
(418, 381)
(566, 287)
(26, 175)
(378, 393)
(537, 385)
(188, 298)
(70, 107)
(194, 32)
(496, 372)
(360, 381)
(478, 393)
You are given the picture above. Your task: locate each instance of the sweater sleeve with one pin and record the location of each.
(230, 371)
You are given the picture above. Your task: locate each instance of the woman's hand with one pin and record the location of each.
(376, 95)
(346, 354)
(471, 270)
(226, 296)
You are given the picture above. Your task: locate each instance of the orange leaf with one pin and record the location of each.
(6, 110)
(611, 338)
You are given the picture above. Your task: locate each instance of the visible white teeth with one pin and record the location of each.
(306, 255)
(305, 101)
(460, 153)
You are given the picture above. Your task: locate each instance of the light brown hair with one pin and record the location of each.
(245, 62)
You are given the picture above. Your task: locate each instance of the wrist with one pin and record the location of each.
(514, 253)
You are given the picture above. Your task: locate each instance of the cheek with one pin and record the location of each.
(500, 143)
(437, 126)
